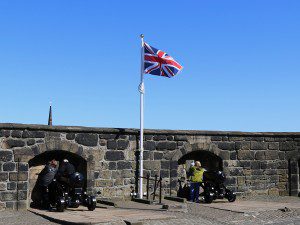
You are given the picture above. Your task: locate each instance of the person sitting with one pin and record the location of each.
(196, 177)
(45, 179)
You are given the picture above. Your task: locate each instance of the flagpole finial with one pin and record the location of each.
(142, 36)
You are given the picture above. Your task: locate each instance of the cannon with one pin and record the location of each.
(214, 188)
(64, 193)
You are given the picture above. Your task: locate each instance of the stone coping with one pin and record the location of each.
(81, 129)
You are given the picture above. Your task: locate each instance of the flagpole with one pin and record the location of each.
(142, 91)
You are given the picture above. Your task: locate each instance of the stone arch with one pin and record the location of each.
(293, 158)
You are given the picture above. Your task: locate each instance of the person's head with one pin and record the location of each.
(197, 164)
(53, 163)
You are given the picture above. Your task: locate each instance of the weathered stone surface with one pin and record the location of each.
(108, 136)
(2, 186)
(104, 183)
(240, 138)
(180, 138)
(112, 165)
(272, 155)
(171, 145)
(105, 174)
(158, 155)
(8, 196)
(161, 145)
(160, 138)
(274, 146)
(170, 138)
(164, 173)
(260, 155)
(233, 155)
(122, 144)
(4, 133)
(112, 144)
(6, 156)
(287, 146)
(16, 134)
(30, 142)
(3, 176)
(226, 145)
(87, 139)
(124, 165)
(70, 136)
(149, 145)
(152, 165)
(255, 145)
(165, 164)
(9, 166)
(33, 134)
(225, 155)
(15, 143)
(114, 155)
(21, 176)
(236, 171)
(11, 186)
(245, 155)
(127, 173)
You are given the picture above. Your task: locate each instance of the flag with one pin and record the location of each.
(157, 62)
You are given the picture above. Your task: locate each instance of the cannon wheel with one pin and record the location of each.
(60, 205)
(91, 203)
(208, 197)
(231, 197)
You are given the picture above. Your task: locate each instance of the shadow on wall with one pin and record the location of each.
(37, 164)
(209, 161)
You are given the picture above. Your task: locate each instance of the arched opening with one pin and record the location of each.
(294, 177)
(37, 163)
(208, 160)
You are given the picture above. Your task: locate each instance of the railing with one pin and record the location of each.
(157, 185)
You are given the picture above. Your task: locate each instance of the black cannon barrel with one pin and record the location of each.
(216, 177)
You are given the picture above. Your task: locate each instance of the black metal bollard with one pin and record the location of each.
(155, 184)
(148, 176)
(160, 189)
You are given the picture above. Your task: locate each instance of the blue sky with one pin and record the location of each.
(241, 63)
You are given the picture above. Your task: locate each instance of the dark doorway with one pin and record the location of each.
(209, 161)
(37, 164)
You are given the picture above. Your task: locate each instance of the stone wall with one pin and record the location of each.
(254, 163)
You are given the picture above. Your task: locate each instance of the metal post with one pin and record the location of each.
(148, 176)
(155, 184)
(160, 191)
(142, 91)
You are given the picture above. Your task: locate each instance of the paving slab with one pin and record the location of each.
(101, 215)
(252, 206)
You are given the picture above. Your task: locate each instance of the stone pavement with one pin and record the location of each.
(254, 210)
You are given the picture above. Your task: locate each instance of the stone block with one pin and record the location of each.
(103, 183)
(260, 155)
(236, 171)
(287, 146)
(255, 145)
(33, 134)
(165, 164)
(148, 137)
(11, 186)
(122, 144)
(4, 133)
(240, 181)
(70, 136)
(16, 133)
(269, 139)
(21, 176)
(3, 176)
(158, 155)
(274, 146)
(105, 174)
(149, 145)
(2, 186)
(180, 138)
(170, 138)
(112, 144)
(255, 165)
(160, 137)
(127, 173)
(152, 165)
(112, 165)
(225, 155)
(87, 139)
(6, 156)
(233, 155)
(124, 165)
(272, 155)
(30, 142)
(108, 136)
(164, 173)
(245, 164)
(114, 155)
(9, 166)
(237, 138)
(12, 143)
(171, 145)
(119, 182)
(174, 173)
(8, 196)
(245, 155)
(230, 181)
(226, 145)
(260, 139)
(273, 191)
(216, 138)
(161, 145)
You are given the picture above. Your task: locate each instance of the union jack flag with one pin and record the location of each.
(159, 63)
